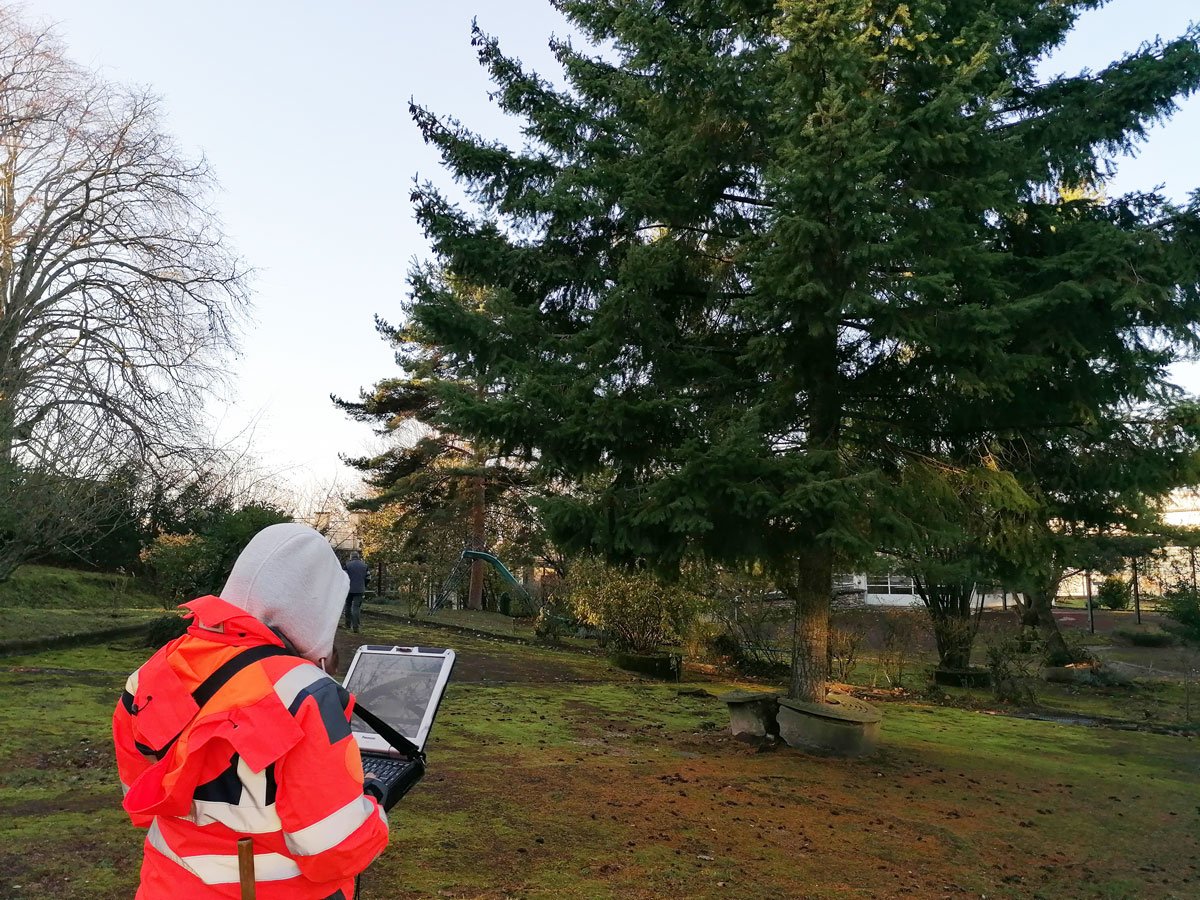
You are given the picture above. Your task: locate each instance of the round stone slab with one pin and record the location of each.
(841, 707)
(842, 726)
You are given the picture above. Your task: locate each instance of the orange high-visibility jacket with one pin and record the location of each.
(269, 756)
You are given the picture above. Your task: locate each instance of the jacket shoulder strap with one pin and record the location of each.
(224, 672)
(219, 678)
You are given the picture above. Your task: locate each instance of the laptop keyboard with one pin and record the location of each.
(386, 768)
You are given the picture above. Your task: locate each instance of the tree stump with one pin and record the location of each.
(974, 677)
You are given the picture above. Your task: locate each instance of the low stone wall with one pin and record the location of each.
(664, 666)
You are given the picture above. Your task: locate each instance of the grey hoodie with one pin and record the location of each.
(289, 578)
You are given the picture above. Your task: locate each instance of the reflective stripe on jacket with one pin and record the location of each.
(270, 756)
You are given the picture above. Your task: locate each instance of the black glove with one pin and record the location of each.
(375, 788)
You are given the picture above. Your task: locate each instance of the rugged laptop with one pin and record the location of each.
(399, 690)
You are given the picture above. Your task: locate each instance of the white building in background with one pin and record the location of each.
(340, 529)
(1183, 510)
(898, 590)
(1160, 571)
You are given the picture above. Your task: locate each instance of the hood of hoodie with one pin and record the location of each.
(289, 578)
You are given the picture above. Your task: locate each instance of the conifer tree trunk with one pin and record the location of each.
(475, 594)
(950, 613)
(814, 570)
(1037, 612)
(811, 636)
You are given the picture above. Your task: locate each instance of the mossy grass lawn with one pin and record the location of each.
(26, 624)
(48, 587)
(46, 602)
(554, 776)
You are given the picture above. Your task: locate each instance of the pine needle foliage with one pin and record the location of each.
(754, 250)
(427, 480)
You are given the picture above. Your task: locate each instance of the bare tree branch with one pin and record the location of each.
(119, 299)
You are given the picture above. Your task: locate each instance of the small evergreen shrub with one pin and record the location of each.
(727, 645)
(1114, 594)
(165, 629)
(1150, 638)
(1182, 608)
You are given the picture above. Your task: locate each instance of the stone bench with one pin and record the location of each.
(752, 713)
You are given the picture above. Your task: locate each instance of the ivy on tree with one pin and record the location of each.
(752, 245)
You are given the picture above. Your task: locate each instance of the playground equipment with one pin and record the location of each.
(461, 571)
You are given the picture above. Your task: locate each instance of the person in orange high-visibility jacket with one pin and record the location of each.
(235, 730)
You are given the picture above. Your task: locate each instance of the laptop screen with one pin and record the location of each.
(397, 687)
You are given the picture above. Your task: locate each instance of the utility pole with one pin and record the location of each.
(1087, 580)
(1137, 596)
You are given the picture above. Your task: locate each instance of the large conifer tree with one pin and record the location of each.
(755, 248)
(442, 493)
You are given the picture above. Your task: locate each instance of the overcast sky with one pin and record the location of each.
(302, 110)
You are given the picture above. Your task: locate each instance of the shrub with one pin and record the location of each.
(184, 566)
(549, 627)
(1114, 593)
(1013, 671)
(176, 564)
(725, 644)
(756, 621)
(1182, 608)
(844, 644)
(165, 629)
(1148, 638)
(639, 611)
(902, 630)
(700, 641)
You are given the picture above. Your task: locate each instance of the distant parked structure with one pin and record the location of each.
(890, 589)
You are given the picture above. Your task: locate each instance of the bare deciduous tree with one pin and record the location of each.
(118, 296)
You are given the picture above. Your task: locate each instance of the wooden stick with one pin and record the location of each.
(246, 867)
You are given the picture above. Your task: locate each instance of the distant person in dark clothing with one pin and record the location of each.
(360, 576)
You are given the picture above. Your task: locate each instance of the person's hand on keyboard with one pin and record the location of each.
(373, 785)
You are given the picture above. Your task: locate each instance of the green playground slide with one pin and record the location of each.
(460, 571)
